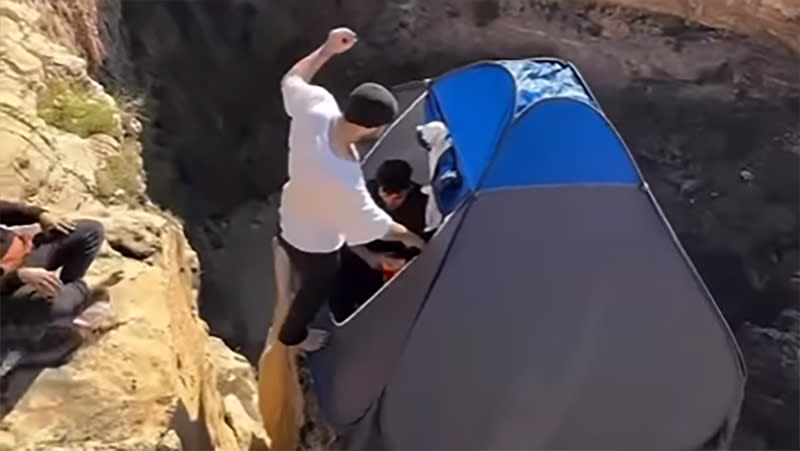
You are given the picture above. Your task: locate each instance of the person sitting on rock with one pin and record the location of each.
(32, 293)
(363, 268)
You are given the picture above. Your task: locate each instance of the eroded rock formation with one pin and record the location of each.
(158, 380)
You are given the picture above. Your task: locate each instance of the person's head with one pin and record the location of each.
(369, 108)
(394, 182)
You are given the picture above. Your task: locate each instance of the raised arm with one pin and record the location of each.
(298, 93)
(339, 40)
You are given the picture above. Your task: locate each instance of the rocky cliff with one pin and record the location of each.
(159, 380)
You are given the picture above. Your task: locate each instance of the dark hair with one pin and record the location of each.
(370, 105)
(394, 176)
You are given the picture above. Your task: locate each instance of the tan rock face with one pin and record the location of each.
(158, 381)
(776, 18)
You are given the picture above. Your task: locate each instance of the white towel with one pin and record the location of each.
(437, 139)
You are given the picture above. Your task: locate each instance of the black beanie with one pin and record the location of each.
(370, 105)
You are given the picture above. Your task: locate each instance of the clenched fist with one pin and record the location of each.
(340, 40)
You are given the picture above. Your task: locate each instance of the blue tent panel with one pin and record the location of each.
(561, 142)
(476, 104)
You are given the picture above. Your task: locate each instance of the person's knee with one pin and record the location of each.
(90, 234)
(90, 229)
(292, 332)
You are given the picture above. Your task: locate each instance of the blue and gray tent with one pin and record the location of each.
(554, 308)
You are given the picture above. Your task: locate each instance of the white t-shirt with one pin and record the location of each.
(325, 202)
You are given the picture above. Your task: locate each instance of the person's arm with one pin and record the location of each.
(15, 214)
(298, 93)
(362, 220)
(304, 70)
(398, 232)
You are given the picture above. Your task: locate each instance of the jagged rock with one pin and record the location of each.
(156, 381)
(135, 234)
(778, 18)
(249, 432)
(170, 442)
(236, 384)
(771, 354)
(59, 167)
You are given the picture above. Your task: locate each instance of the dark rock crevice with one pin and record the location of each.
(711, 117)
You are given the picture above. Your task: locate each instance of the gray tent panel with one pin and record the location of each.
(364, 434)
(407, 93)
(352, 370)
(600, 339)
(400, 141)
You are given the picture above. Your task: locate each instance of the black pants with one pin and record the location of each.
(356, 283)
(73, 253)
(317, 273)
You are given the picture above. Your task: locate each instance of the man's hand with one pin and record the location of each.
(45, 282)
(51, 222)
(377, 260)
(390, 263)
(411, 239)
(380, 261)
(340, 40)
(399, 232)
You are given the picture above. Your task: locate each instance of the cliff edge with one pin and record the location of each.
(159, 380)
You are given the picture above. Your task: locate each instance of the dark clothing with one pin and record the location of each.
(317, 273)
(411, 213)
(73, 253)
(14, 214)
(342, 277)
(357, 281)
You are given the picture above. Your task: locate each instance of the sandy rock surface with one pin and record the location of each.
(158, 380)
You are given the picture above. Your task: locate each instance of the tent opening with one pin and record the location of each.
(400, 141)
(340, 322)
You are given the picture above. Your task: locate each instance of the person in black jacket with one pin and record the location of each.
(360, 271)
(28, 263)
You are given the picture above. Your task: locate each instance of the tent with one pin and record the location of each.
(553, 309)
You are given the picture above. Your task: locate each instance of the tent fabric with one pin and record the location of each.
(475, 132)
(554, 309)
(539, 80)
(357, 362)
(557, 334)
(401, 139)
(504, 90)
(561, 141)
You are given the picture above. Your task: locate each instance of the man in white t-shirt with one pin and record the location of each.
(326, 203)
